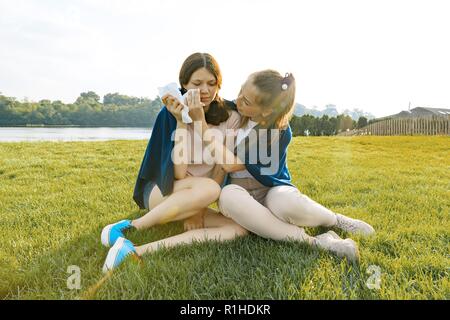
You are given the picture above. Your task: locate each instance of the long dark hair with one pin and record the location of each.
(218, 110)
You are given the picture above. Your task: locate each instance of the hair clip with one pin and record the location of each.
(286, 81)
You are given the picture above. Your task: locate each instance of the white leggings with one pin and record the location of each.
(278, 216)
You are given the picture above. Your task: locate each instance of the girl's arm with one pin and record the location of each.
(180, 151)
(222, 155)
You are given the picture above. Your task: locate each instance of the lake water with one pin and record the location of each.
(18, 134)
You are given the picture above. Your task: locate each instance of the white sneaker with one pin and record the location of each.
(342, 248)
(353, 225)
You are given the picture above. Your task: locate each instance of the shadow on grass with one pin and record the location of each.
(47, 276)
(246, 268)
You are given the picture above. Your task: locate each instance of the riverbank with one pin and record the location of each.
(33, 134)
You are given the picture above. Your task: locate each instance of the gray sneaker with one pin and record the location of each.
(353, 225)
(329, 234)
(341, 247)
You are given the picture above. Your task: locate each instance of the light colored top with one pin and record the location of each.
(241, 134)
(205, 168)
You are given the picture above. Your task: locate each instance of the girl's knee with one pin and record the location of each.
(227, 199)
(285, 192)
(230, 191)
(208, 190)
(213, 189)
(283, 201)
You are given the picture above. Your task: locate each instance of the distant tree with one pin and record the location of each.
(120, 100)
(362, 122)
(344, 122)
(88, 97)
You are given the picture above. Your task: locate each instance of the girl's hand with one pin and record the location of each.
(195, 105)
(173, 105)
(218, 174)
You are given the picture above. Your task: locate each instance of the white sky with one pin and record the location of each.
(374, 55)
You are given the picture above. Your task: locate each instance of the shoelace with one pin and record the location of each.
(346, 223)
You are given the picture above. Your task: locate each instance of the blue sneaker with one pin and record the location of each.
(114, 231)
(119, 251)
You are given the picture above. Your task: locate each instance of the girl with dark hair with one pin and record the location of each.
(172, 185)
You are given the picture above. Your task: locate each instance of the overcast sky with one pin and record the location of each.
(374, 55)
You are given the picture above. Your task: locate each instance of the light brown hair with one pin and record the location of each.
(276, 93)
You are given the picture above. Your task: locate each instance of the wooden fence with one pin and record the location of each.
(406, 126)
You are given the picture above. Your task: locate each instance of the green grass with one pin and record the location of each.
(56, 197)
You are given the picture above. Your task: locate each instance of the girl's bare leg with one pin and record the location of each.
(189, 197)
(217, 227)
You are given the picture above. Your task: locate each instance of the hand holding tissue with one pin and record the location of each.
(172, 89)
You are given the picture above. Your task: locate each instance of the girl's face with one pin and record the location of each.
(246, 102)
(205, 81)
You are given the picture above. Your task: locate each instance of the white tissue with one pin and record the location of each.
(172, 89)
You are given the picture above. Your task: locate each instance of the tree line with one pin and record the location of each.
(308, 125)
(125, 111)
(87, 110)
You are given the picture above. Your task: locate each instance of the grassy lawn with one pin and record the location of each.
(56, 197)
